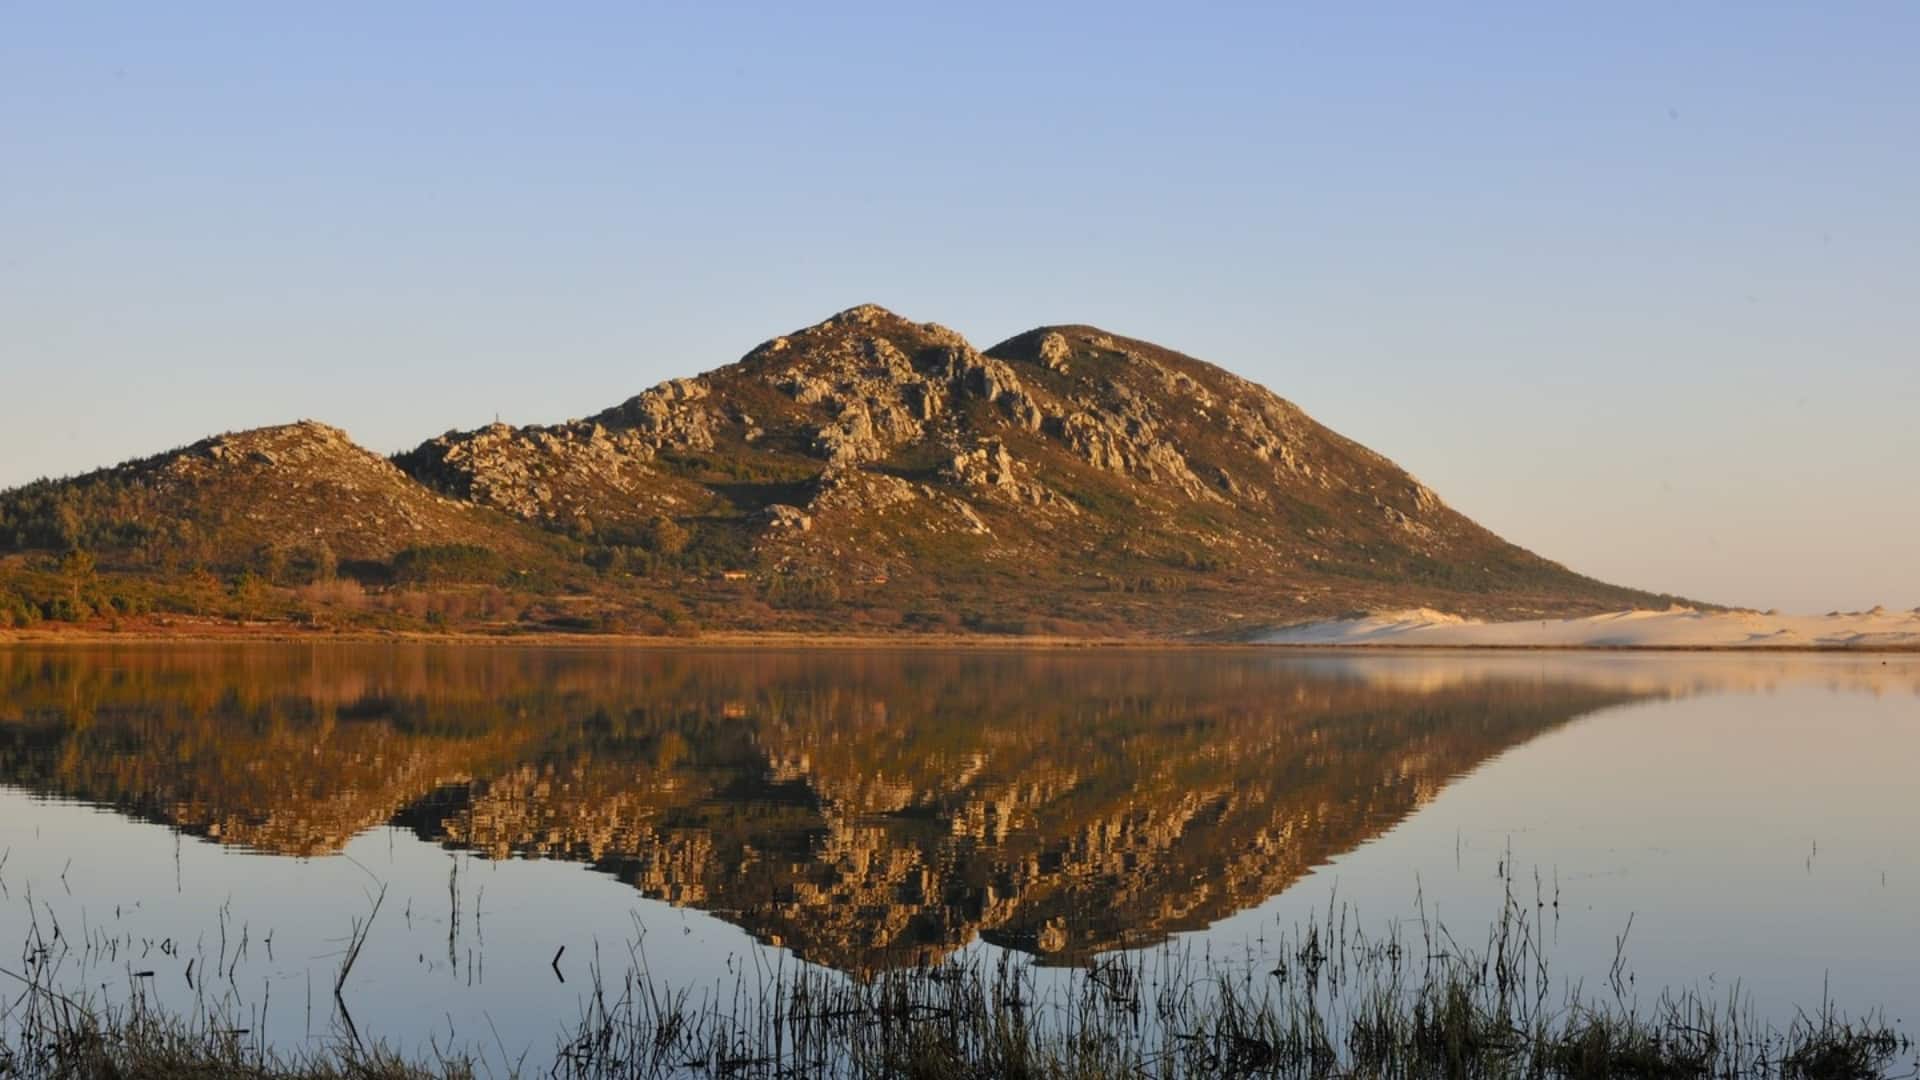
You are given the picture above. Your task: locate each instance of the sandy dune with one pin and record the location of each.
(1679, 628)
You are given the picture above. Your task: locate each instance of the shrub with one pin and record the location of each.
(934, 620)
(17, 611)
(617, 558)
(311, 563)
(339, 593)
(66, 609)
(411, 603)
(669, 608)
(802, 592)
(448, 563)
(371, 572)
(666, 537)
(268, 562)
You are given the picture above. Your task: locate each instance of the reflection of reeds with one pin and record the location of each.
(356, 940)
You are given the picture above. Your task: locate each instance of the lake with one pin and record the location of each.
(196, 823)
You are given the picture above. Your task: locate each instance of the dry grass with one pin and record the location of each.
(1335, 1005)
(46, 1035)
(1326, 1001)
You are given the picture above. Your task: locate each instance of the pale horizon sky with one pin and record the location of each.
(1633, 286)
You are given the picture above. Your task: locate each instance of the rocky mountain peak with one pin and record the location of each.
(300, 441)
(864, 328)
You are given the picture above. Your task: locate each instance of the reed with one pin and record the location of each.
(1329, 1002)
(1323, 999)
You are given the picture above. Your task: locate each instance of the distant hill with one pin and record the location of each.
(867, 472)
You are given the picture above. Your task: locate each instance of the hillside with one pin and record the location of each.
(865, 472)
(297, 486)
(253, 525)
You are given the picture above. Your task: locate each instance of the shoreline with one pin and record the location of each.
(780, 639)
(202, 634)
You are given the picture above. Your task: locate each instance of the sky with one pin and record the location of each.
(1634, 285)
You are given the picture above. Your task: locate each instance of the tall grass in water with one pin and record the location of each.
(1324, 1000)
(49, 1029)
(1327, 1001)
(45, 1032)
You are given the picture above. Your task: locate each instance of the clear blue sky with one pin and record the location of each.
(1634, 285)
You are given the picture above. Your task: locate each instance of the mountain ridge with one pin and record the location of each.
(865, 470)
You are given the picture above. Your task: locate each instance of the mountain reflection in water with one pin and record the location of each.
(865, 809)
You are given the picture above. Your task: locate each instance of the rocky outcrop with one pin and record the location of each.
(850, 439)
(990, 468)
(576, 476)
(782, 518)
(1054, 351)
(668, 415)
(988, 465)
(851, 493)
(1126, 444)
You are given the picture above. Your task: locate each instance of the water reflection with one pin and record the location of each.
(862, 809)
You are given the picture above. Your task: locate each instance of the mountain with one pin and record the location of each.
(866, 471)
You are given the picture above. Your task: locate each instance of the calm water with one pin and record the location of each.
(220, 817)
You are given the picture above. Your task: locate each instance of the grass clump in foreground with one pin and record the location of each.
(1348, 1007)
(147, 1045)
(1327, 1001)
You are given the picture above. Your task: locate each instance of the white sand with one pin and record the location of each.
(1679, 628)
(1646, 672)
